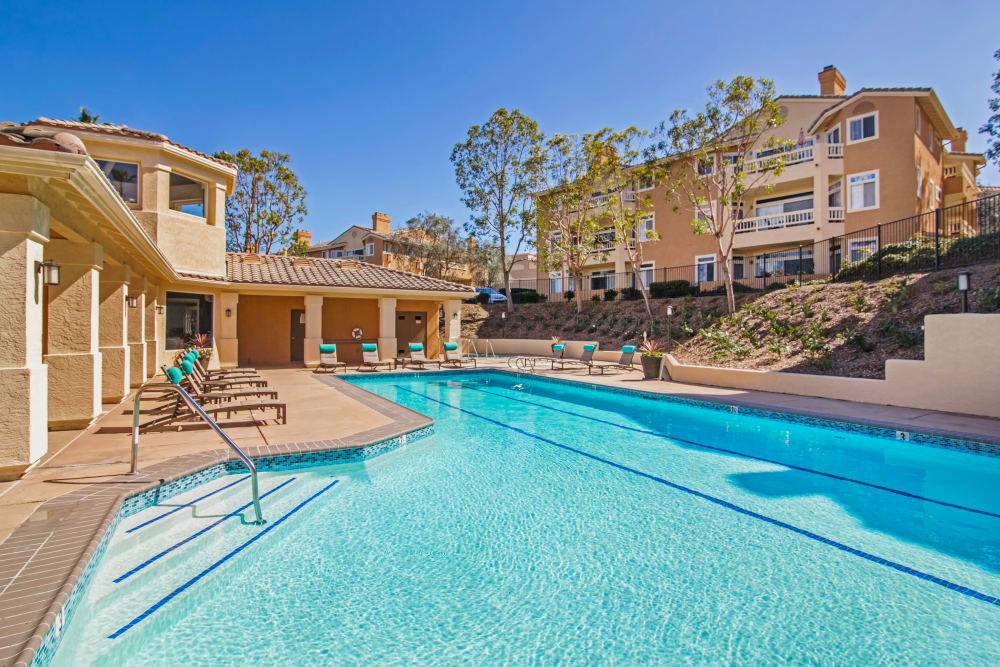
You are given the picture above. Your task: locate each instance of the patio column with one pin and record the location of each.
(72, 356)
(113, 333)
(137, 332)
(24, 228)
(226, 337)
(452, 320)
(314, 329)
(387, 327)
(821, 208)
(151, 332)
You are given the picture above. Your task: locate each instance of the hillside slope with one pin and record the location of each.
(846, 329)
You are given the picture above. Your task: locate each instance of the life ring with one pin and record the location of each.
(356, 332)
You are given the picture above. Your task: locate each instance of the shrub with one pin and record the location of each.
(898, 295)
(631, 294)
(860, 343)
(569, 295)
(610, 294)
(671, 288)
(989, 299)
(857, 302)
(483, 298)
(595, 297)
(900, 335)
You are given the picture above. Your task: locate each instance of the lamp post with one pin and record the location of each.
(964, 285)
(503, 318)
(670, 312)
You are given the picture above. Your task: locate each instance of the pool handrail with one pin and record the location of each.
(169, 386)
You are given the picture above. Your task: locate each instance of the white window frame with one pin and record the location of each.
(850, 208)
(369, 249)
(937, 193)
(837, 187)
(920, 179)
(868, 242)
(387, 248)
(861, 117)
(931, 187)
(641, 188)
(555, 282)
(829, 138)
(602, 273)
(917, 108)
(647, 273)
(699, 261)
(743, 266)
(644, 229)
(711, 169)
(338, 253)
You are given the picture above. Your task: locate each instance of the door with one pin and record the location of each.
(411, 327)
(298, 335)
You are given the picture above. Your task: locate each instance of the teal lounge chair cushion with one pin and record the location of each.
(174, 374)
(558, 347)
(325, 349)
(186, 367)
(416, 347)
(196, 353)
(451, 346)
(628, 349)
(589, 348)
(369, 347)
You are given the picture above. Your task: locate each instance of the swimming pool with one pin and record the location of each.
(544, 522)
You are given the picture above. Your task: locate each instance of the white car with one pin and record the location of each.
(495, 296)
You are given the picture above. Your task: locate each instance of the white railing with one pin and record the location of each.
(604, 200)
(835, 151)
(950, 171)
(604, 242)
(836, 214)
(796, 156)
(765, 222)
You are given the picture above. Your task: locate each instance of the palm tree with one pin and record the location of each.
(87, 117)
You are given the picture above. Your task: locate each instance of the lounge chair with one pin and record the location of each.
(205, 395)
(182, 412)
(205, 372)
(624, 362)
(586, 359)
(328, 358)
(222, 382)
(369, 358)
(529, 363)
(418, 357)
(453, 357)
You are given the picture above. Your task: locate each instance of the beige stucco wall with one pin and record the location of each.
(264, 326)
(189, 243)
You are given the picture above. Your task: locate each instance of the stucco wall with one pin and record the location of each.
(340, 316)
(264, 328)
(190, 244)
(431, 309)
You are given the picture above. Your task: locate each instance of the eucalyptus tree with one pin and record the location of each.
(268, 203)
(431, 243)
(710, 158)
(991, 128)
(498, 167)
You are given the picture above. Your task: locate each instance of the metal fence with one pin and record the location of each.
(944, 238)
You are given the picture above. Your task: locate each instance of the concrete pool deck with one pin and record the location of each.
(53, 517)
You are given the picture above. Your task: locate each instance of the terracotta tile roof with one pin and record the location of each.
(121, 131)
(316, 272)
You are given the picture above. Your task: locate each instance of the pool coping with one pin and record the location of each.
(68, 532)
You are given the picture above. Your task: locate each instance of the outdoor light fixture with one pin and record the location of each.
(229, 312)
(132, 301)
(160, 310)
(670, 312)
(50, 272)
(964, 285)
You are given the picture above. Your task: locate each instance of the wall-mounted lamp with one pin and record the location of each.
(964, 285)
(229, 312)
(132, 301)
(160, 310)
(50, 272)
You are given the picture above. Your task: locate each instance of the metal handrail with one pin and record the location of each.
(211, 422)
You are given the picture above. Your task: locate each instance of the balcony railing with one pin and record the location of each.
(780, 221)
(836, 214)
(795, 156)
(835, 151)
(604, 200)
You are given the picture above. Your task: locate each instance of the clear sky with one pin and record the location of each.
(369, 98)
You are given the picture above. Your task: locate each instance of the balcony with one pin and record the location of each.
(780, 221)
(835, 151)
(603, 200)
(836, 214)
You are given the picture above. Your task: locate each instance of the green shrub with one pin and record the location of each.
(483, 298)
(569, 295)
(859, 342)
(989, 299)
(671, 289)
(595, 297)
(808, 310)
(898, 295)
(899, 334)
(858, 302)
(631, 294)
(610, 294)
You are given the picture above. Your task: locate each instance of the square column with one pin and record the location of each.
(73, 357)
(154, 344)
(137, 333)
(227, 341)
(314, 329)
(453, 320)
(113, 333)
(24, 228)
(387, 327)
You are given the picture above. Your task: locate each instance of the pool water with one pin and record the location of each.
(543, 523)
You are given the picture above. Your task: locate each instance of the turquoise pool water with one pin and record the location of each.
(543, 523)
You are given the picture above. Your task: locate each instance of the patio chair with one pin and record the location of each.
(223, 382)
(418, 358)
(369, 358)
(586, 359)
(624, 362)
(205, 395)
(205, 372)
(182, 412)
(328, 358)
(528, 363)
(453, 357)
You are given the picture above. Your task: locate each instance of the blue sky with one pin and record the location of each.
(369, 98)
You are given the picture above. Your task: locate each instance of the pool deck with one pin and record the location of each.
(52, 519)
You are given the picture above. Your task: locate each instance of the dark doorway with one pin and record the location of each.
(411, 327)
(298, 335)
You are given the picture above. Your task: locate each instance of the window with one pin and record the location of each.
(600, 280)
(862, 192)
(835, 199)
(916, 117)
(646, 271)
(920, 179)
(369, 248)
(646, 184)
(860, 249)
(187, 315)
(862, 128)
(387, 248)
(647, 226)
(930, 188)
(124, 178)
(937, 194)
(705, 268)
(338, 253)
(555, 282)
(706, 166)
(325, 254)
(833, 136)
(930, 133)
(739, 271)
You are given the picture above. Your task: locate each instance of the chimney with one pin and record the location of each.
(831, 81)
(304, 236)
(380, 222)
(958, 141)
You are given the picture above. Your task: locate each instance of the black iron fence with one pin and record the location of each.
(944, 238)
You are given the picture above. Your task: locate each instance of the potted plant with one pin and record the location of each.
(555, 341)
(652, 359)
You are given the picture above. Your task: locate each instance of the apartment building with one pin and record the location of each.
(857, 160)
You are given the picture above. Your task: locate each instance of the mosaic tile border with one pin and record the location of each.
(885, 432)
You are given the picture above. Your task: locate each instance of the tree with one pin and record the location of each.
(267, 205)
(568, 224)
(482, 262)
(299, 245)
(710, 158)
(87, 117)
(991, 128)
(431, 244)
(498, 167)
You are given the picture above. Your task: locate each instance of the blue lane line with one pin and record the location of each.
(179, 508)
(964, 590)
(193, 580)
(201, 532)
(741, 454)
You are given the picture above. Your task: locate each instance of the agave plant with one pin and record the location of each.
(199, 340)
(651, 349)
